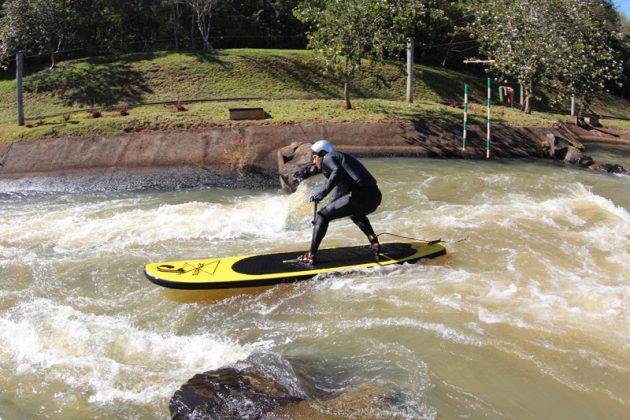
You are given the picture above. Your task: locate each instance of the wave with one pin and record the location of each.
(107, 356)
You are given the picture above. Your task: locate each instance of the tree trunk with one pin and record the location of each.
(53, 60)
(527, 107)
(448, 51)
(175, 12)
(529, 94)
(346, 94)
(203, 24)
(192, 32)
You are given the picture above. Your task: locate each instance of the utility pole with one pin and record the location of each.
(19, 66)
(410, 62)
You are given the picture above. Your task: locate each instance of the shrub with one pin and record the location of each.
(239, 156)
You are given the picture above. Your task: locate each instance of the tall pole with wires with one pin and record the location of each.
(410, 76)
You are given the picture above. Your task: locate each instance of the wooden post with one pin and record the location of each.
(410, 60)
(19, 66)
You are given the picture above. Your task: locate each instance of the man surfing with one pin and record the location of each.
(356, 195)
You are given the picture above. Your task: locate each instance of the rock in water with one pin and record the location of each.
(228, 393)
(292, 160)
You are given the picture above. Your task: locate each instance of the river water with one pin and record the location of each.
(527, 316)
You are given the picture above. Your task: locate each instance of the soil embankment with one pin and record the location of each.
(244, 156)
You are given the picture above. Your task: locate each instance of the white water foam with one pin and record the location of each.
(122, 226)
(443, 331)
(106, 355)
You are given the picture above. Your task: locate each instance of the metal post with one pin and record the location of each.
(522, 98)
(573, 105)
(465, 118)
(488, 130)
(410, 60)
(19, 66)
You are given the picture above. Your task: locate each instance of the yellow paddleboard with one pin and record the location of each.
(282, 267)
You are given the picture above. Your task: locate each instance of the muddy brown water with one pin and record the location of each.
(527, 318)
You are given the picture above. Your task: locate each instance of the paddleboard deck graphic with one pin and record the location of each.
(282, 267)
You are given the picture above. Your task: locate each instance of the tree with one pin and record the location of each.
(546, 42)
(440, 31)
(623, 47)
(587, 40)
(345, 32)
(176, 14)
(35, 25)
(203, 16)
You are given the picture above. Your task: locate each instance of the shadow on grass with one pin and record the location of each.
(94, 83)
(304, 75)
(212, 57)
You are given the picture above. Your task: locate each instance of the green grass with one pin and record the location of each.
(290, 81)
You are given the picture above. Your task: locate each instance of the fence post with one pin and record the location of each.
(19, 66)
(573, 105)
(410, 60)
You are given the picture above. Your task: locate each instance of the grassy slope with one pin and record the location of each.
(275, 75)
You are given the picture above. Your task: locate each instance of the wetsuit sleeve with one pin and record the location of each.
(333, 169)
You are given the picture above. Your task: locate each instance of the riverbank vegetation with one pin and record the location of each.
(287, 84)
(171, 64)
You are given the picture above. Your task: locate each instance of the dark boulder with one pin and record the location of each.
(558, 147)
(228, 393)
(292, 161)
(573, 155)
(610, 168)
(270, 386)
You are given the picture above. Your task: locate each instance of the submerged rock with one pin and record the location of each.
(560, 148)
(610, 168)
(369, 401)
(228, 393)
(269, 386)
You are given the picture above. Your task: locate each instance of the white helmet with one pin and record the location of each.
(322, 146)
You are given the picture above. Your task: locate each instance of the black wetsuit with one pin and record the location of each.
(356, 195)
